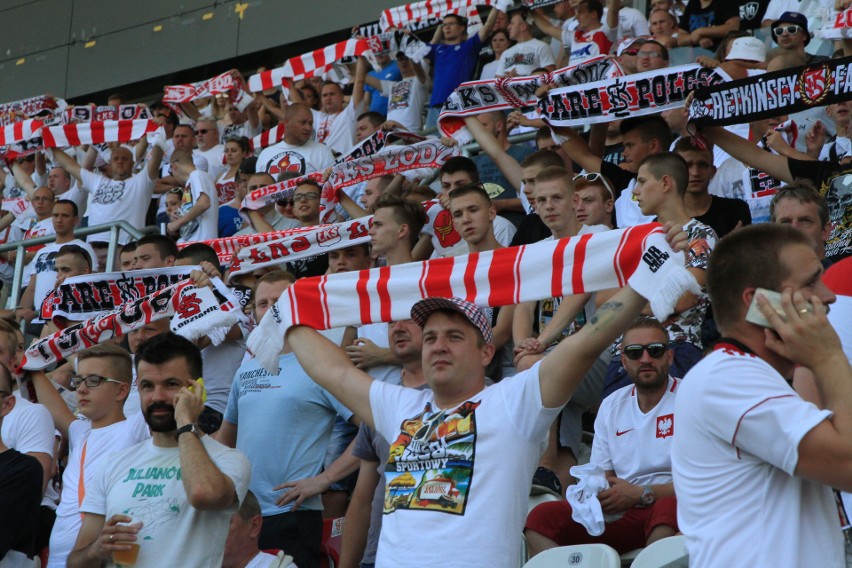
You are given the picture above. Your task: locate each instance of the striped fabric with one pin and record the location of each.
(402, 16)
(96, 132)
(639, 257)
(308, 64)
(19, 131)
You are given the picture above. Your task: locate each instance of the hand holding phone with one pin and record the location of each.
(755, 316)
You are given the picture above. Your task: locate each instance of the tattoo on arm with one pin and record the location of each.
(606, 311)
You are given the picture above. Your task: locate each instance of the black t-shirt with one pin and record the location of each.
(311, 266)
(751, 14)
(725, 213)
(715, 14)
(531, 230)
(834, 182)
(619, 177)
(20, 502)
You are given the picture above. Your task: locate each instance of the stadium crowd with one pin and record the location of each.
(729, 420)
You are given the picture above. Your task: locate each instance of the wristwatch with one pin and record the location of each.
(195, 430)
(648, 498)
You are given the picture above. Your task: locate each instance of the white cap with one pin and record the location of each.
(747, 49)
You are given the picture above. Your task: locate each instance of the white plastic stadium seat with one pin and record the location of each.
(577, 556)
(666, 553)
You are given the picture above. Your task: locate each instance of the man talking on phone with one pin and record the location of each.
(168, 500)
(753, 462)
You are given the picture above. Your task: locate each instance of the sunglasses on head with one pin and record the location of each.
(791, 29)
(596, 178)
(634, 351)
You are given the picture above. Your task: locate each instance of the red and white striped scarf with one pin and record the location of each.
(309, 64)
(195, 312)
(267, 138)
(403, 16)
(96, 132)
(639, 257)
(477, 97)
(318, 240)
(20, 131)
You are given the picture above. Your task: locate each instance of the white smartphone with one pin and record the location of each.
(755, 316)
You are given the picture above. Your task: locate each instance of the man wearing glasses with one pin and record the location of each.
(634, 429)
(101, 385)
(790, 33)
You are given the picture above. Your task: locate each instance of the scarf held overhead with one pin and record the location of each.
(319, 240)
(309, 64)
(90, 295)
(195, 312)
(96, 132)
(633, 95)
(639, 257)
(425, 154)
(477, 97)
(786, 91)
(404, 16)
(45, 107)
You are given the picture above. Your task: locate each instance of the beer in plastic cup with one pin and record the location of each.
(126, 557)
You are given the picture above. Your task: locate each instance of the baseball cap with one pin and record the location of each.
(792, 18)
(627, 43)
(421, 311)
(747, 49)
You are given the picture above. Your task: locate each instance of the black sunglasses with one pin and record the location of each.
(655, 350)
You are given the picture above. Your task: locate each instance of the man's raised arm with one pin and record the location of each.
(563, 368)
(328, 365)
(746, 152)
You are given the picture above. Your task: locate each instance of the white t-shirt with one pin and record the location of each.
(28, 428)
(459, 471)
(216, 165)
(282, 157)
(117, 200)
(446, 241)
(237, 130)
(28, 227)
(378, 334)
(627, 211)
(337, 131)
(739, 425)
(524, 57)
(144, 483)
(99, 443)
(265, 560)
(43, 268)
(405, 101)
(631, 23)
(585, 45)
(205, 226)
(636, 446)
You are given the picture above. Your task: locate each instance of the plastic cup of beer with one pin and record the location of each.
(126, 557)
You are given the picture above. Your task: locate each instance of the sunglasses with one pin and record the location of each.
(596, 178)
(91, 381)
(284, 202)
(655, 350)
(633, 52)
(202, 131)
(791, 29)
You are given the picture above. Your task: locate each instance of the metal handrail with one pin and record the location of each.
(21, 246)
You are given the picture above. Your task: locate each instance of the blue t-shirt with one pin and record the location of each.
(378, 103)
(454, 64)
(284, 425)
(229, 221)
